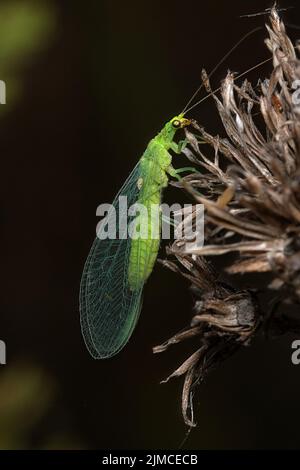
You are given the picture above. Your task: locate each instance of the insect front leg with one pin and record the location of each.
(177, 148)
(176, 171)
(172, 172)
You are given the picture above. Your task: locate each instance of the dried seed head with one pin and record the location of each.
(252, 209)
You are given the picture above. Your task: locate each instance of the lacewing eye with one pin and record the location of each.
(176, 123)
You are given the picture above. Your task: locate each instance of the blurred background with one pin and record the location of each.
(88, 85)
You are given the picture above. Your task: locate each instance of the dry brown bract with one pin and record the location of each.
(252, 209)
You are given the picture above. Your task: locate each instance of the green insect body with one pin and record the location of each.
(144, 251)
(155, 165)
(116, 270)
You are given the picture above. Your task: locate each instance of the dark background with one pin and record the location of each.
(88, 98)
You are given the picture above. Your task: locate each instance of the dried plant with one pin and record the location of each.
(250, 190)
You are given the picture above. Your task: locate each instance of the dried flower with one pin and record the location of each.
(252, 209)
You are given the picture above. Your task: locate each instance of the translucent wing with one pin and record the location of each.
(109, 310)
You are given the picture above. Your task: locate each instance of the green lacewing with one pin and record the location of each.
(116, 269)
